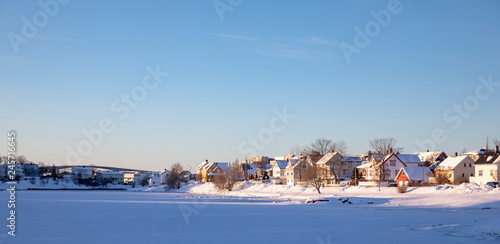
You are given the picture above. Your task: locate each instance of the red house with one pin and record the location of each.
(413, 175)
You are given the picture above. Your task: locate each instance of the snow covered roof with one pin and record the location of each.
(415, 173)
(327, 157)
(429, 156)
(106, 172)
(366, 165)
(351, 159)
(488, 158)
(452, 162)
(222, 165)
(409, 158)
(281, 164)
(82, 168)
(203, 164)
(279, 158)
(293, 161)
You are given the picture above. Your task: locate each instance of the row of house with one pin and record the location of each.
(479, 166)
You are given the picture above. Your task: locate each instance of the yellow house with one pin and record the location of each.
(210, 170)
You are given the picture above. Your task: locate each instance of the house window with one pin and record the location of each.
(471, 175)
(491, 172)
(350, 164)
(345, 172)
(387, 173)
(480, 173)
(463, 175)
(465, 165)
(395, 172)
(449, 175)
(470, 165)
(393, 162)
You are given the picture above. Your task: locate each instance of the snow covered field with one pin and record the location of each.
(257, 213)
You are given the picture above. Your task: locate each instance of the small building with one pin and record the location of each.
(82, 172)
(164, 176)
(487, 168)
(457, 169)
(111, 177)
(409, 176)
(154, 179)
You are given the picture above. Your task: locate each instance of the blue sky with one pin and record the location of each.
(227, 75)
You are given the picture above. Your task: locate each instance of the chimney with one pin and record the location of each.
(496, 149)
(456, 154)
(390, 150)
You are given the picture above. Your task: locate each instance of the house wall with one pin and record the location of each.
(462, 172)
(403, 180)
(278, 172)
(391, 171)
(490, 172)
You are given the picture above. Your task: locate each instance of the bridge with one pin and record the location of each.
(97, 167)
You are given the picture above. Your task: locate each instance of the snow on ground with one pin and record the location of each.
(263, 213)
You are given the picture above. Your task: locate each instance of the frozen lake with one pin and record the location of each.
(137, 217)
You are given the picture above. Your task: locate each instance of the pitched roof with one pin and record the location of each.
(281, 164)
(222, 165)
(489, 158)
(415, 173)
(327, 157)
(351, 159)
(429, 156)
(452, 162)
(408, 158)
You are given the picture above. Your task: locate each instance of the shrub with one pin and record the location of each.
(441, 178)
(402, 189)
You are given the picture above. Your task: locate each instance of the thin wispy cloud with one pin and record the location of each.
(292, 53)
(239, 37)
(316, 40)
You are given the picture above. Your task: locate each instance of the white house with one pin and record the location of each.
(112, 177)
(155, 180)
(487, 168)
(279, 169)
(392, 164)
(164, 176)
(295, 173)
(82, 172)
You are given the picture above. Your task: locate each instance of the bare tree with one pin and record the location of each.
(228, 178)
(383, 145)
(441, 178)
(298, 150)
(21, 159)
(340, 147)
(314, 177)
(464, 151)
(177, 167)
(321, 146)
(175, 178)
